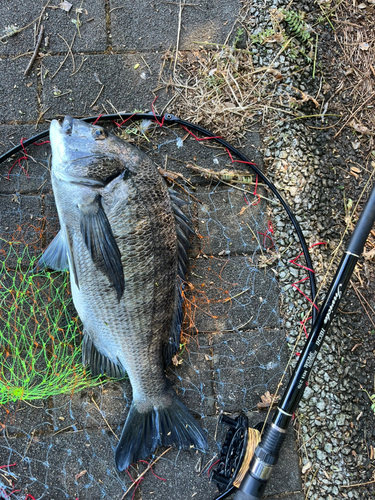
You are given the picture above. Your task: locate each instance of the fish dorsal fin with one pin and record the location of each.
(101, 244)
(99, 363)
(183, 231)
(56, 254)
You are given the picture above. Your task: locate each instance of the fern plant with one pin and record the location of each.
(262, 37)
(297, 25)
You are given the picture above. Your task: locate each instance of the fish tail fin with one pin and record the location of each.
(170, 425)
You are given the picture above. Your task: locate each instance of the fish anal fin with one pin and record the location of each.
(101, 244)
(173, 344)
(99, 363)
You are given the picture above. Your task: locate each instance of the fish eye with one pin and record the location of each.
(99, 133)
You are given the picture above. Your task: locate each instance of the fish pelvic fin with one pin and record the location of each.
(170, 425)
(101, 243)
(99, 363)
(56, 254)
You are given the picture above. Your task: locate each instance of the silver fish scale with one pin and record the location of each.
(135, 330)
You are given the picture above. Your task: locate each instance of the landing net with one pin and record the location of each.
(60, 426)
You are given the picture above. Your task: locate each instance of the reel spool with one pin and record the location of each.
(236, 453)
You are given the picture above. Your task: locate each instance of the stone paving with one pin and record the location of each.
(121, 47)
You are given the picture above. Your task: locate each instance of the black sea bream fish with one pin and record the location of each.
(123, 239)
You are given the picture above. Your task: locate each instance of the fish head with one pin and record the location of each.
(87, 153)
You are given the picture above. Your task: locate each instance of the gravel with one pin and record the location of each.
(294, 163)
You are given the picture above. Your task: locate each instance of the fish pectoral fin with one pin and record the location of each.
(101, 244)
(56, 254)
(99, 363)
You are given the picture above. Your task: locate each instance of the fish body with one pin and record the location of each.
(123, 239)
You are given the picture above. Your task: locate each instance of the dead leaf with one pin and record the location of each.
(358, 127)
(356, 145)
(306, 467)
(176, 361)
(369, 255)
(364, 46)
(80, 474)
(267, 399)
(267, 260)
(65, 6)
(305, 97)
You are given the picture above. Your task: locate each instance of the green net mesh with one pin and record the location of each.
(39, 333)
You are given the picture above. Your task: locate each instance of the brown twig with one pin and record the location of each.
(40, 116)
(97, 97)
(27, 25)
(69, 52)
(99, 410)
(178, 35)
(80, 66)
(356, 485)
(354, 113)
(36, 50)
(65, 58)
(144, 472)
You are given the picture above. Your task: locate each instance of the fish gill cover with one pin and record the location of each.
(60, 426)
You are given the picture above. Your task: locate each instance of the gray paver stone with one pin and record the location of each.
(246, 366)
(18, 99)
(20, 221)
(37, 180)
(123, 85)
(55, 22)
(224, 219)
(144, 26)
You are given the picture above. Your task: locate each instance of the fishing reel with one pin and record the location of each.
(236, 452)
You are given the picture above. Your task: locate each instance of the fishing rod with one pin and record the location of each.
(256, 471)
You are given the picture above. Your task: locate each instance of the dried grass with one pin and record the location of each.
(356, 35)
(215, 88)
